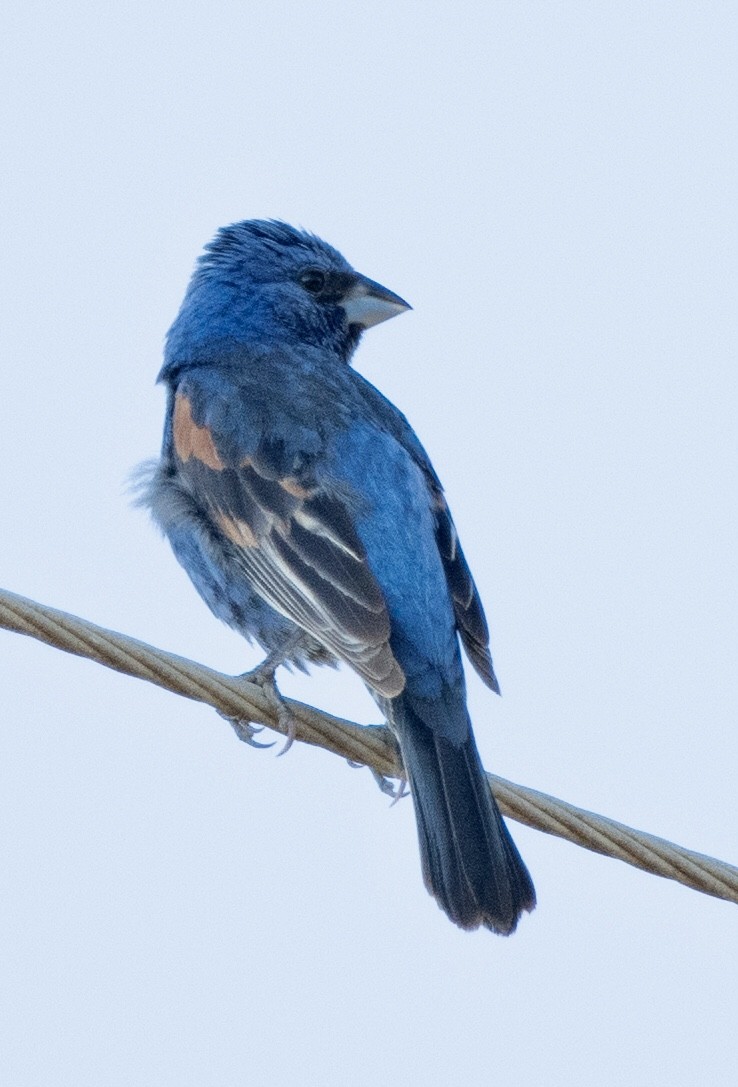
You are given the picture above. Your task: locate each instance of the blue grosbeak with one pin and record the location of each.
(309, 517)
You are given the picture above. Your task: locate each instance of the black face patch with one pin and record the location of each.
(325, 285)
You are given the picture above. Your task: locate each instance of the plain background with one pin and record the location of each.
(553, 187)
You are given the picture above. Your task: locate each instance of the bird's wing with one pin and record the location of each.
(470, 619)
(296, 543)
(468, 610)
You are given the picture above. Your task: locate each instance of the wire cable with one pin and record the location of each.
(373, 747)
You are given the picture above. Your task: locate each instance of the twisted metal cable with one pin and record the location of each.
(373, 747)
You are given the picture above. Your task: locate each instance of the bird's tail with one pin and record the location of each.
(470, 863)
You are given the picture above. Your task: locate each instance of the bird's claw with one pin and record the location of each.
(287, 722)
(245, 730)
(401, 791)
(395, 788)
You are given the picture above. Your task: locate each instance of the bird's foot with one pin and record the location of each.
(395, 788)
(263, 677)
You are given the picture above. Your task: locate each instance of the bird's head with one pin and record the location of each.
(264, 281)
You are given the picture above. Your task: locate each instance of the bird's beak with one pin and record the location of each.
(367, 303)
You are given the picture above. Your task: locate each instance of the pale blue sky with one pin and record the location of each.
(553, 187)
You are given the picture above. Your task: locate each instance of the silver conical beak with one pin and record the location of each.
(367, 303)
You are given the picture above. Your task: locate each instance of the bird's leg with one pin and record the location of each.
(263, 676)
(394, 787)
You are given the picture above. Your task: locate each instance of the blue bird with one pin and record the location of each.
(309, 518)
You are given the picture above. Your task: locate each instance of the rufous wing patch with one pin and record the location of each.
(237, 530)
(292, 487)
(191, 440)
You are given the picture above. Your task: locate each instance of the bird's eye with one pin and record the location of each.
(313, 280)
